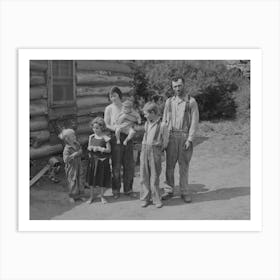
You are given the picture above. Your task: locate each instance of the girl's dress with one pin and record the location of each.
(99, 171)
(72, 169)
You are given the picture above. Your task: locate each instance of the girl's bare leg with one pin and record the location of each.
(91, 195)
(103, 199)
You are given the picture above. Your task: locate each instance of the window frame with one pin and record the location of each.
(65, 103)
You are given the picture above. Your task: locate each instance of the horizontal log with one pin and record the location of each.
(44, 151)
(92, 111)
(83, 138)
(38, 107)
(84, 119)
(89, 101)
(95, 65)
(37, 78)
(62, 111)
(38, 92)
(87, 78)
(103, 91)
(38, 65)
(38, 123)
(84, 128)
(37, 138)
(41, 135)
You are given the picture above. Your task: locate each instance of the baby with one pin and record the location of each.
(126, 121)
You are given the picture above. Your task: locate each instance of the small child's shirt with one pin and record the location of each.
(69, 150)
(129, 119)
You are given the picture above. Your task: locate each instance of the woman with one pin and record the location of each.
(122, 155)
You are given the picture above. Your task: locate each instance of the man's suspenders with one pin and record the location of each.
(156, 133)
(187, 113)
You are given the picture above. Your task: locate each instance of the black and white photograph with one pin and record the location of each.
(140, 139)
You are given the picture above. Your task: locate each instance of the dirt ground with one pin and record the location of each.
(219, 180)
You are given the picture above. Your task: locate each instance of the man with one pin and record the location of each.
(181, 116)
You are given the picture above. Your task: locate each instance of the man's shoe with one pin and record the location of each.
(159, 205)
(166, 196)
(145, 203)
(187, 198)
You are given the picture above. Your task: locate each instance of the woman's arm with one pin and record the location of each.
(107, 118)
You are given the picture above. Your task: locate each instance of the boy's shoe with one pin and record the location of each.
(187, 198)
(103, 200)
(116, 195)
(166, 196)
(159, 205)
(145, 203)
(131, 194)
(90, 200)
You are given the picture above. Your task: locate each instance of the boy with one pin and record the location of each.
(125, 122)
(155, 140)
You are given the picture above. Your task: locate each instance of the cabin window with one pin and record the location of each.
(62, 83)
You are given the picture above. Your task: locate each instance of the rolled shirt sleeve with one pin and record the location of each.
(194, 120)
(164, 135)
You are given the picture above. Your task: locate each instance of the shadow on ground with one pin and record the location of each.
(201, 194)
(50, 200)
(199, 139)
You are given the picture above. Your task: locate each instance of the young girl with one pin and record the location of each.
(98, 173)
(72, 159)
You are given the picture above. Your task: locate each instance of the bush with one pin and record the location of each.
(217, 89)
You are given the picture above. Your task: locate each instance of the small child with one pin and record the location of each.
(125, 122)
(72, 158)
(98, 172)
(155, 140)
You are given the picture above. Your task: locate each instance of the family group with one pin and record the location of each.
(171, 131)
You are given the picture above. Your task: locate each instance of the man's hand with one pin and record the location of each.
(188, 144)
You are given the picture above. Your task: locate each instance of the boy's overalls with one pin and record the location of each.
(150, 162)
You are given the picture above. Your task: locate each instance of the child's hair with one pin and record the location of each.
(65, 133)
(155, 98)
(151, 107)
(128, 104)
(100, 122)
(115, 90)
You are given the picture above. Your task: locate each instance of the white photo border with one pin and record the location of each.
(255, 222)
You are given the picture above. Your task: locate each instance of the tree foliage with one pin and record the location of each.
(216, 87)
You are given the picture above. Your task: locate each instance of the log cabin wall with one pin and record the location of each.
(39, 123)
(93, 81)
